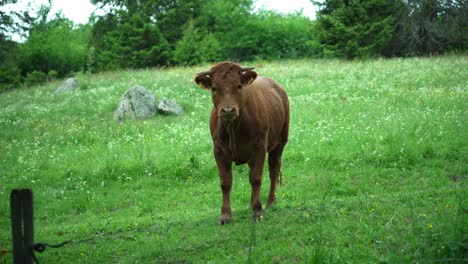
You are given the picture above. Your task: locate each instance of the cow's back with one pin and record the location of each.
(267, 108)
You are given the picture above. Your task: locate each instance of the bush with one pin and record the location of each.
(230, 30)
(284, 36)
(90, 64)
(52, 75)
(35, 77)
(55, 45)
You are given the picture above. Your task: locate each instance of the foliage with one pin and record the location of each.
(152, 33)
(195, 47)
(187, 49)
(10, 52)
(10, 73)
(210, 48)
(282, 36)
(356, 28)
(374, 172)
(52, 75)
(230, 30)
(127, 40)
(455, 25)
(12, 21)
(90, 63)
(392, 28)
(35, 78)
(431, 27)
(171, 16)
(6, 19)
(229, 21)
(206, 31)
(55, 45)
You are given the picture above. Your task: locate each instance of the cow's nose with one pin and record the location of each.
(228, 110)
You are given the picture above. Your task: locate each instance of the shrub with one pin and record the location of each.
(52, 75)
(284, 36)
(35, 77)
(55, 45)
(90, 64)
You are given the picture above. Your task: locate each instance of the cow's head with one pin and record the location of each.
(226, 81)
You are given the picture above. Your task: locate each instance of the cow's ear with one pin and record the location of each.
(203, 81)
(248, 77)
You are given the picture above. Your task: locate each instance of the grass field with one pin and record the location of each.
(374, 172)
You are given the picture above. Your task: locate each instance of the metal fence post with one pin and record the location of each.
(22, 226)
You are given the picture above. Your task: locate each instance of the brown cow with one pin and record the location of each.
(250, 118)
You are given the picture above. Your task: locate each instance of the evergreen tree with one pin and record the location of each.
(455, 25)
(431, 27)
(169, 15)
(356, 28)
(187, 49)
(124, 40)
(9, 70)
(10, 51)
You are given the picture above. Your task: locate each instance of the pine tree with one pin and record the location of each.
(356, 28)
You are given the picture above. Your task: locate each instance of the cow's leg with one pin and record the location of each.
(274, 165)
(225, 177)
(255, 177)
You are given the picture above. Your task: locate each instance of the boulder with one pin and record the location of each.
(137, 103)
(70, 85)
(168, 107)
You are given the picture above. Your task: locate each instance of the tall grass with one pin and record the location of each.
(374, 170)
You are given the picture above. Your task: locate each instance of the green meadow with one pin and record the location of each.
(374, 171)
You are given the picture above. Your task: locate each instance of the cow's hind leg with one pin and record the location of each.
(274, 165)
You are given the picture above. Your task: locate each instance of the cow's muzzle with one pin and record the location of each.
(228, 113)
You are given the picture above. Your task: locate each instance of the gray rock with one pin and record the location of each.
(70, 85)
(168, 107)
(137, 103)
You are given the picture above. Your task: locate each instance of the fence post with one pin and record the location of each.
(22, 226)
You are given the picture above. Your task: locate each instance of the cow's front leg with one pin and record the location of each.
(225, 177)
(255, 177)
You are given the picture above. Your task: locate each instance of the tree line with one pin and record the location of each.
(152, 33)
(367, 28)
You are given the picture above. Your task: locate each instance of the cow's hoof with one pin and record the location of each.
(270, 203)
(224, 220)
(257, 216)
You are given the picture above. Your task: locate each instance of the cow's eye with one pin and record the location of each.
(213, 89)
(239, 86)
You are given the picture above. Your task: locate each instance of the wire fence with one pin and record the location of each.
(25, 249)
